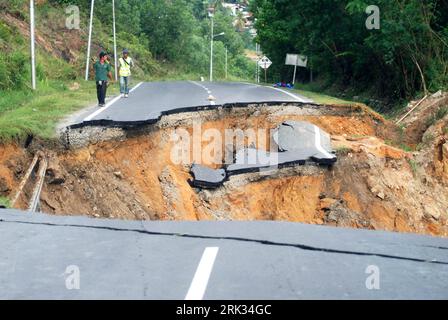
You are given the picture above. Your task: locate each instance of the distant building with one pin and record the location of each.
(232, 7)
(235, 10)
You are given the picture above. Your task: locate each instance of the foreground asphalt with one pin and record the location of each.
(149, 100)
(41, 254)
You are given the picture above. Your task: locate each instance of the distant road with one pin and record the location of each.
(148, 100)
(42, 256)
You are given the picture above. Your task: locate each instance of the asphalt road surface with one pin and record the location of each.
(81, 258)
(148, 100)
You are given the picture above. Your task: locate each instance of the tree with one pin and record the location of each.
(406, 55)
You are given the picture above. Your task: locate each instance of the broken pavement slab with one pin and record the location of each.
(207, 178)
(252, 160)
(296, 136)
(298, 143)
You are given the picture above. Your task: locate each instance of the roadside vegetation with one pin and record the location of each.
(406, 57)
(319, 97)
(5, 202)
(24, 113)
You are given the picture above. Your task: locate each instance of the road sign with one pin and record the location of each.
(264, 62)
(296, 60)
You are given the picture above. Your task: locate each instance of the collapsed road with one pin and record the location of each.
(150, 101)
(124, 170)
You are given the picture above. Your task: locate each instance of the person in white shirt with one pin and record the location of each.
(125, 63)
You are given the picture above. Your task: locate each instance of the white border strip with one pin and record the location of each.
(209, 92)
(292, 95)
(97, 112)
(319, 145)
(199, 85)
(202, 275)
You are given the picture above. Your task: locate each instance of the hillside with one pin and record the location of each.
(61, 55)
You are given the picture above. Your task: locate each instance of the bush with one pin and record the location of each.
(242, 67)
(14, 71)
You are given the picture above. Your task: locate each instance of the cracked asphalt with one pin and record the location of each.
(253, 260)
(149, 100)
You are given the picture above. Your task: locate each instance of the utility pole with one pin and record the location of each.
(212, 37)
(211, 49)
(227, 54)
(258, 60)
(256, 64)
(33, 53)
(115, 41)
(90, 39)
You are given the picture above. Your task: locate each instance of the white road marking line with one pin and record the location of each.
(285, 92)
(97, 112)
(136, 87)
(318, 144)
(199, 85)
(209, 92)
(249, 84)
(202, 275)
(292, 95)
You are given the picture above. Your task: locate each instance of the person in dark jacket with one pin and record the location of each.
(103, 73)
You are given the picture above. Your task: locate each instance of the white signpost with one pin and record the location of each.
(265, 63)
(296, 60)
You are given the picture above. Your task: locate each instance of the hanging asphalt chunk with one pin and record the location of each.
(298, 142)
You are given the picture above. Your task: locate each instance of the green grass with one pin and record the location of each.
(5, 202)
(405, 147)
(37, 113)
(399, 145)
(321, 98)
(414, 166)
(440, 114)
(343, 151)
(310, 92)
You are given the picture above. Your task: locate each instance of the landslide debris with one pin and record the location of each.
(374, 185)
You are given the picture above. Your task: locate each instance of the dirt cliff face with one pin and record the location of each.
(372, 186)
(13, 164)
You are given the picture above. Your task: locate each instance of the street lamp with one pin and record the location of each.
(211, 51)
(211, 14)
(227, 65)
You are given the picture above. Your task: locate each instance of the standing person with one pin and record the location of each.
(124, 70)
(103, 71)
